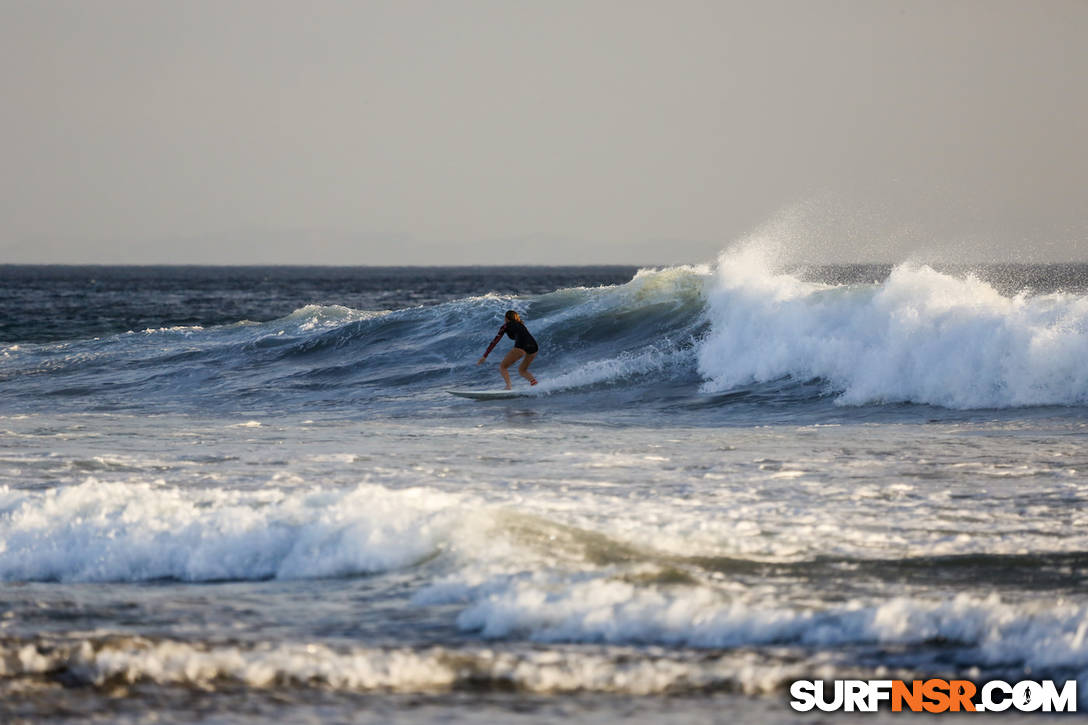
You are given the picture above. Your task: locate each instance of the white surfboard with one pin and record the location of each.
(489, 394)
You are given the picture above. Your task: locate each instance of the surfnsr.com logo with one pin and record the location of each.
(933, 695)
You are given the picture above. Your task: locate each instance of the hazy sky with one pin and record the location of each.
(550, 132)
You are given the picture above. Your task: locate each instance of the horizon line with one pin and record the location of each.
(292, 265)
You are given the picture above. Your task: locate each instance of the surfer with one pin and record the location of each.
(524, 347)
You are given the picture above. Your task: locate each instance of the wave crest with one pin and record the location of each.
(919, 337)
(100, 531)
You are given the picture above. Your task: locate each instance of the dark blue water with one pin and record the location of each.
(680, 342)
(242, 494)
(57, 303)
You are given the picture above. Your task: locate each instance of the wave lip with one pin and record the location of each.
(918, 337)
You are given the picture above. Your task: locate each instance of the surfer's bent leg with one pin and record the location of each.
(510, 359)
(523, 369)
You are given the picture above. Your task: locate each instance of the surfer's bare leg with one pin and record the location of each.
(510, 359)
(523, 369)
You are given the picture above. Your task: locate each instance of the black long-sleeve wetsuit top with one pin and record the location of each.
(519, 334)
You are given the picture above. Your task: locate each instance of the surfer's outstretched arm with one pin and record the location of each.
(502, 331)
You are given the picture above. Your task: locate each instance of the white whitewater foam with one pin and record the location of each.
(324, 317)
(183, 329)
(1041, 635)
(133, 530)
(435, 669)
(100, 531)
(921, 337)
(583, 570)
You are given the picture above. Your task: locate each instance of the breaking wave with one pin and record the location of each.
(679, 336)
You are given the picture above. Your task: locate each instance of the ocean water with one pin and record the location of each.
(241, 494)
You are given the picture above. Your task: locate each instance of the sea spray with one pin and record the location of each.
(920, 336)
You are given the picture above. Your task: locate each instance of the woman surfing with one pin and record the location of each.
(524, 347)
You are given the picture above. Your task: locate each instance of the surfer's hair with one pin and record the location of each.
(512, 316)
